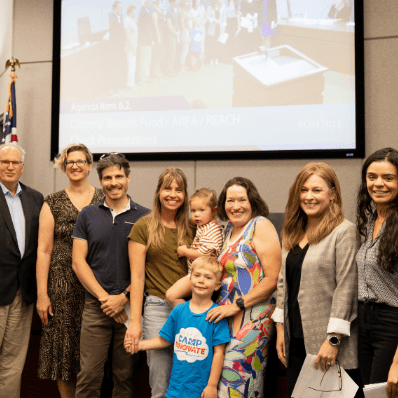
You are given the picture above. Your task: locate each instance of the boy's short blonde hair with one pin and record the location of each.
(209, 263)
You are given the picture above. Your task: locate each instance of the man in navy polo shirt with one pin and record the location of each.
(100, 260)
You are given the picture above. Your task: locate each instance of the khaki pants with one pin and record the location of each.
(15, 323)
(97, 334)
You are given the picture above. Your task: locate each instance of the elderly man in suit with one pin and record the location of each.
(19, 223)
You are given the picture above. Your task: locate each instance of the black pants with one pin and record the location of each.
(297, 356)
(378, 340)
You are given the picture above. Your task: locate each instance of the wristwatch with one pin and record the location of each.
(240, 303)
(127, 294)
(334, 340)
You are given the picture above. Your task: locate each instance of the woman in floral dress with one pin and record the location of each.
(251, 258)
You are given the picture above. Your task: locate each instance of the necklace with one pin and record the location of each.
(79, 200)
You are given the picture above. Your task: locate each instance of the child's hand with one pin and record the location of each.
(128, 346)
(209, 392)
(181, 250)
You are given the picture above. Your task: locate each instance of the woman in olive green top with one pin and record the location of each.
(156, 266)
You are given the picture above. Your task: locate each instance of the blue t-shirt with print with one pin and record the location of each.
(194, 339)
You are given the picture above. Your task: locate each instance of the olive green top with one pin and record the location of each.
(162, 266)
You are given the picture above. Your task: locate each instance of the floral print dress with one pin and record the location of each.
(250, 330)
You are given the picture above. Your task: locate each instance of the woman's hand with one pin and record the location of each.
(392, 381)
(280, 343)
(181, 251)
(326, 355)
(44, 308)
(132, 337)
(223, 311)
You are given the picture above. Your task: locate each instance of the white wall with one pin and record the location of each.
(33, 46)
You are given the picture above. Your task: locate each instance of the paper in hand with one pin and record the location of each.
(314, 383)
(378, 390)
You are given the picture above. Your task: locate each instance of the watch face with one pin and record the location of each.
(240, 303)
(334, 340)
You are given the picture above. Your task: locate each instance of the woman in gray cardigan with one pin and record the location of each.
(316, 307)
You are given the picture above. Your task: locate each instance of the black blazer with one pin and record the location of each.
(12, 267)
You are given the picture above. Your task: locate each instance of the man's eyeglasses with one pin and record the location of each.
(6, 163)
(79, 163)
(105, 155)
(339, 376)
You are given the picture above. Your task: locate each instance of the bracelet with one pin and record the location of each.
(278, 323)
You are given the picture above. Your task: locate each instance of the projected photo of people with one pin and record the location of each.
(179, 51)
(129, 56)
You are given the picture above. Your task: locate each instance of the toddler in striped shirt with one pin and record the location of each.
(207, 242)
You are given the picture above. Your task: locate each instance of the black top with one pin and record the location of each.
(107, 240)
(294, 262)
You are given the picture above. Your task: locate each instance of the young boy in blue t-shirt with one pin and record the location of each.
(198, 344)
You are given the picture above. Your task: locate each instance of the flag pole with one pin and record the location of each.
(10, 124)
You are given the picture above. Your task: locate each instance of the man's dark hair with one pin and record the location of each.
(113, 159)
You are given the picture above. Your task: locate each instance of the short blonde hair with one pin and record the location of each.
(209, 263)
(59, 161)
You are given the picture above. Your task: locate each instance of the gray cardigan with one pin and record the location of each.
(328, 296)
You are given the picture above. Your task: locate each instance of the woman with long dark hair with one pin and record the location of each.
(377, 259)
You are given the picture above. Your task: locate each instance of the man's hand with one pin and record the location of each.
(113, 304)
(120, 317)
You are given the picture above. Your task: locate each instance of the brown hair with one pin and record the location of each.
(155, 227)
(113, 159)
(206, 193)
(259, 207)
(296, 219)
(209, 263)
(59, 160)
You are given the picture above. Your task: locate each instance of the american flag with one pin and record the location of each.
(10, 122)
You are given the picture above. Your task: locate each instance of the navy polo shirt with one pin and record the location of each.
(108, 243)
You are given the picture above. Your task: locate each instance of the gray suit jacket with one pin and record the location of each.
(328, 296)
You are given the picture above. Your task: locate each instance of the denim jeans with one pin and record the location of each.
(377, 340)
(156, 311)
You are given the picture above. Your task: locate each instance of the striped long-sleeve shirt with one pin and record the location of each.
(208, 240)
